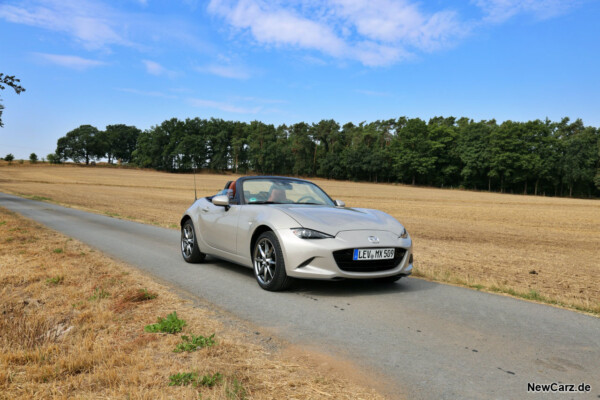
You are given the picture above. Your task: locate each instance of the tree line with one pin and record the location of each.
(534, 157)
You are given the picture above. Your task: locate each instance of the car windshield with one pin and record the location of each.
(283, 191)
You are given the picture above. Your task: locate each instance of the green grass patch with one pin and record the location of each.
(194, 343)
(144, 295)
(171, 324)
(2, 223)
(99, 293)
(236, 391)
(57, 280)
(40, 198)
(192, 378)
(57, 251)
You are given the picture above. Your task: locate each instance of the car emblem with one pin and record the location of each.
(373, 239)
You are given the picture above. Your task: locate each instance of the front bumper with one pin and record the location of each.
(314, 258)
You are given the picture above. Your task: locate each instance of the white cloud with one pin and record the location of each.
(373, 32)
(89, 23)
(154, 68)
(227, 107)
(498, 11)
(74, 62)
(225, 71)
(278, 26)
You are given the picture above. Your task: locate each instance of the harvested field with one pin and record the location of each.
(541, 248)
(72, 325)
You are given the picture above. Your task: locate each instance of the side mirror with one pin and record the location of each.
(221, 200)
(339, 203)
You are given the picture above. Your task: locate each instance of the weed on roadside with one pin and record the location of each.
(194, 343)
(192, 378)
(236, 391)
(171, 324)
(99, 293)
(58, 279)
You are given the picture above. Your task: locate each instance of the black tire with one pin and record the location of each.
(389, 279)
(270, 274)
(189, 244)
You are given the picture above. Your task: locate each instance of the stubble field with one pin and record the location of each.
(541, 248)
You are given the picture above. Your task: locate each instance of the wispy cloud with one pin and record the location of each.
(146, 93)
(89, 23)
(372, 32)
(98, 25)
(69, 61)
(225, 71)
(227, 107)
(498, 11)
(154, 68)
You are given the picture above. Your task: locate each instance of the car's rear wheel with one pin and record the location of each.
(269, 266)
(189, 245)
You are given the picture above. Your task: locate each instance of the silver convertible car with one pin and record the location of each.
(287, 228)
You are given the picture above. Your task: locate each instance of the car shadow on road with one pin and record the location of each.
(346, 287)
(360, 287)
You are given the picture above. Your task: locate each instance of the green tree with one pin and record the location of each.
(53, 158)
(580, 160)
(414, 151)
(10, 81)
(473, 149)
(121, 141)
(82, 143)
(33, 158)
(9, 157)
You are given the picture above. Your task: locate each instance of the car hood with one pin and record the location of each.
(332, 220)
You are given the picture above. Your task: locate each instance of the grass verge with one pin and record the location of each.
(72, 326)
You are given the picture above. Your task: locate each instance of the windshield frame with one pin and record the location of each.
(242, 198)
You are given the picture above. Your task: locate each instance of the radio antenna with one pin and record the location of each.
(195, 194)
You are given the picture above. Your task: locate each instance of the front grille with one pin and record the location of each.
(344, 260)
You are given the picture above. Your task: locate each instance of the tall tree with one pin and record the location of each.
(82, 143)
(414, 151)
(10, 81)
(122, 140)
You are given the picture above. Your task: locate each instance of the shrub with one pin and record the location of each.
(171, 324)
(194, 343)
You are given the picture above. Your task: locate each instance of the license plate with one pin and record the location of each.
(373, 254)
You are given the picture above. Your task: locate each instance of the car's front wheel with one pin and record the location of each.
(189, 245)
(269, 266)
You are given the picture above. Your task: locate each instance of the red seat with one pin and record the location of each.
(232, 188)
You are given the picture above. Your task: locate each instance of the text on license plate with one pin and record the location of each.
(373, 254)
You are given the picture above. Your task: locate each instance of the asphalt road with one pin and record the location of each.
(434, 341)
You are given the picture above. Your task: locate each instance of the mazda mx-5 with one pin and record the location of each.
(285, 228)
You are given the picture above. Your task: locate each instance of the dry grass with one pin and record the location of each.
(545, 249)
(72, 326)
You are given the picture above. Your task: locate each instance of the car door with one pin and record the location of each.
(218, 225)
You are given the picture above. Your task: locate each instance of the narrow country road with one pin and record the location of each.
(435, 341)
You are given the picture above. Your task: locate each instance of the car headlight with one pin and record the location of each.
(304, 233)
(404, 234)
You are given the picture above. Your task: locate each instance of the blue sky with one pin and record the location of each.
(140, 62)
